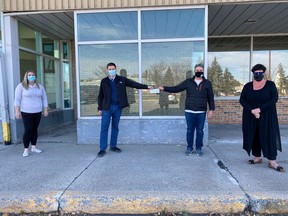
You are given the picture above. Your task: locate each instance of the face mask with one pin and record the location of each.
(258, 77)
(199, 74)
(31, 78)
(112, 73)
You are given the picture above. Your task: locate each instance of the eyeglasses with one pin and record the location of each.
(199, 71)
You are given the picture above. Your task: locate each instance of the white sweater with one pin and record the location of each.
(31, 100)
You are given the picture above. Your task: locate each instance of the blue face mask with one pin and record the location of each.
(31, 78)
(112, 73)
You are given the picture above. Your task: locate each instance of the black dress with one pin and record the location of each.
(269, 133)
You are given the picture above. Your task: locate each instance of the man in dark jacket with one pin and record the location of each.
(112, 99)
(199, 93)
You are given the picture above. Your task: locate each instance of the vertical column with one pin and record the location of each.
(11, 70)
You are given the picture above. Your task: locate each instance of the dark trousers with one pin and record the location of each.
(256, 148)
(31, 122)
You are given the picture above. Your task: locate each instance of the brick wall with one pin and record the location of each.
(229, 111)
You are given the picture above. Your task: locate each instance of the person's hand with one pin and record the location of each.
(17, 114)
(100, 112)
(256, 112)
(161, 88)
(45, 112)
(210, 113)
(150, 87)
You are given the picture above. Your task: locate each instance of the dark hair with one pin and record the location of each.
(123, 72)
(111, 64)
(199, 65)
(188, 74)
(258, 67)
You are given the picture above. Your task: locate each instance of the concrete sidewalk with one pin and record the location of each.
(69, 178)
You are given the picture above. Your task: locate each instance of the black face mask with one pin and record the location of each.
(258, 77)
(199, 74)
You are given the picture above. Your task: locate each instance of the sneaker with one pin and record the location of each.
(25, 153)
(101, 153)
(36, 150)
(199, 152)
(116, 149)
(188, 152)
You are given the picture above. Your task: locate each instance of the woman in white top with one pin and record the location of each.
(30, 98)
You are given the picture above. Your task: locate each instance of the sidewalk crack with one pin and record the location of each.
(222, 166)
(59, 209)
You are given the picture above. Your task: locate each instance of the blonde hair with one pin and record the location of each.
(25, 81)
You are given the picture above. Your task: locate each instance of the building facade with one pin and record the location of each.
(69, 43)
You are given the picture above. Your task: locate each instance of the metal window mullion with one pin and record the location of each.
(140, 64)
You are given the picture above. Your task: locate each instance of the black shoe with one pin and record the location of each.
(116, 149)
(101, 153)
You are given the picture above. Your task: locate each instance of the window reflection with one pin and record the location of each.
(272, 52)
(30, 61)
(168, 64)
(184, 23)
(52, 83)
(27, 37)
(92, 66)
(107, 26)
(67, 85)
(50, 46)
(228, 75)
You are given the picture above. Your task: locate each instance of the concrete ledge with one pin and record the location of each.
(272, 203)
(144, 204)
(10, 203)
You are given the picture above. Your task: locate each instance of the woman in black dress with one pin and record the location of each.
(259, 121)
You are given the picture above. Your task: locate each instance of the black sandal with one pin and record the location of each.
(255, 162)
(278, 168)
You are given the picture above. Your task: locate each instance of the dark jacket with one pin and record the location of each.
(104, 97)
(197, 97)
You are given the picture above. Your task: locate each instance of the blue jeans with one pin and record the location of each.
(115, 113)
(195, 121)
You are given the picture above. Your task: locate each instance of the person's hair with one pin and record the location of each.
(188, 74)
(111, 64)
(25, 81)
(199, 65)
(123, 72)
(258, 67)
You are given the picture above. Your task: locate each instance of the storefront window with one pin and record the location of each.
(50, 46)
(186, 23)
(107, 26)
(168, 64)
(227, 74)
(171, 43)
(28, 37)
(67, 85)
(66, 76)
(92, 66)
(272, 52)
(30, 61)
(52, 82)
(65, 52)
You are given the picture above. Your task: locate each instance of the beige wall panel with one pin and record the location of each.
(59, 5)
(84, 3)
(32, 5)
(20, 5)
(45, 5)
(98, 3)
(38, 5)
(78, 4)
(91, 4)
(51, 4)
